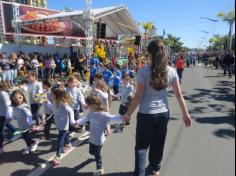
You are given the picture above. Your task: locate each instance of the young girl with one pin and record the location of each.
(48, 112)
(33, 88)
(21, 112)
(127, 91)
(64, 116)
(104, 93)
(5, 103)
(76, 96)
(99, 119)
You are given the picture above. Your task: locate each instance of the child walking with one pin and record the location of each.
(127, 91)
(103, 92)
(74, 91)
(64, 116)
(33, 88)
(99, 119)
(21, 112)
(47, 85)
(117, 80)
(5, 103)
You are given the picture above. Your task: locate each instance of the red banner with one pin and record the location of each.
(44, 28)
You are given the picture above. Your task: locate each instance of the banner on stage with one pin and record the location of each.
(58, 27)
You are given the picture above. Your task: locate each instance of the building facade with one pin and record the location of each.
(35, 3)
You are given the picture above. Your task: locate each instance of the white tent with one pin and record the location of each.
(117, 19)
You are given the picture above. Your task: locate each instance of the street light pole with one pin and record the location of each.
(214, 27)
(204, 38)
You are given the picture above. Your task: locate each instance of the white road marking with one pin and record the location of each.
(47, 165)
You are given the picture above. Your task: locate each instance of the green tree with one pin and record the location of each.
(148, 26)
(230, 19)
(174, 43)
(218, 43)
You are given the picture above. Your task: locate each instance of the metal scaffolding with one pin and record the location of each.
(88, 18)
(16, 24)
(2, 36)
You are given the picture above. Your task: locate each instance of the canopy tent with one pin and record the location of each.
(117, 19)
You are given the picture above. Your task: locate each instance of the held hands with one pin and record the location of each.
(187, 120)
(127, 118)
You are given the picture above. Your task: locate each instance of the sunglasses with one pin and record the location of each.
(18, 98)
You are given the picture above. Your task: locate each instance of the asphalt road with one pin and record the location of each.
(206, 149)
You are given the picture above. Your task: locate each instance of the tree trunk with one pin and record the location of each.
(145, 38)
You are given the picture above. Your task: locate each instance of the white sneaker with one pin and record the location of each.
(34, 146)
(84, 136)
(1, 151)
(99, 172)
(68, 145)
(26, 151)
(72, 134)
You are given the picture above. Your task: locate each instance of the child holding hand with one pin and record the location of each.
(99, 120)
(64, 117)
(22, 113)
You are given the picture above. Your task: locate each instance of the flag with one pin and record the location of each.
(164, 33)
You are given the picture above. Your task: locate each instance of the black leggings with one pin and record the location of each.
(28, 138)
(48, 125)
(151, 134)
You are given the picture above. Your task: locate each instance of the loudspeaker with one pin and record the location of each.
(101, 30)
(138, 40)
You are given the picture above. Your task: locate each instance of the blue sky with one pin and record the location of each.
(178, 17)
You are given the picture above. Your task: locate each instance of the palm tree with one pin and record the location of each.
(148, 26)
(174, 43)
(230, 19)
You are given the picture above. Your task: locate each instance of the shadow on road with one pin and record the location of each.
(219, 99)
(20, 173)
(113, 174)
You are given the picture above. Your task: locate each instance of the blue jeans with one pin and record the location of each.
(63, 138)
(2, 125)
(41, 73)
(151, 134)
(35, 110)
(10, 127)
(96, 151)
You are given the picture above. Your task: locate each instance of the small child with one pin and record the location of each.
(117, 80)
(76, 96)
(47, 85)
(5, 103)
(127, 91)
(64, 116)
(97, 77)
(104, 93)
(99, 119)
(33, 88)
(107, 75)
(21, 112)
